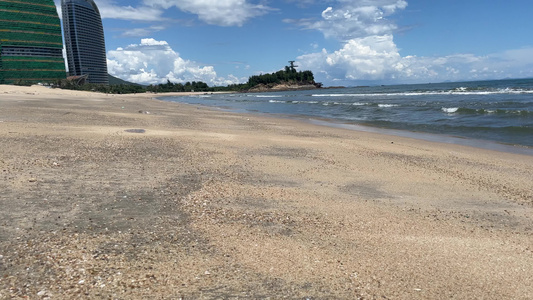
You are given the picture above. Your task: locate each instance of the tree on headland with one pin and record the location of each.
(287, 76)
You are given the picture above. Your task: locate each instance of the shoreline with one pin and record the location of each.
(426, 136)
(132, 197)
(431, 137)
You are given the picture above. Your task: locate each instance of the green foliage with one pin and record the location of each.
(21, 82)
(195, 86)
(288, 75)
(102, 88)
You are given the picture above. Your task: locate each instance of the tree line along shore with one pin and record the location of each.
(288, 78)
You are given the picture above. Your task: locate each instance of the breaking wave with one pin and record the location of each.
(482, 111)
(456, 91)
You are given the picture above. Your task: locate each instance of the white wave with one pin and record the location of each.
(388, 105)
(331, 95)
(375, 95)
(450, 110)
(293, 102)
(516, 91)
(268, 96)
(456, 91)
(350, 103)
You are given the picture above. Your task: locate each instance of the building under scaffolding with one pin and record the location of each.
(30, 42)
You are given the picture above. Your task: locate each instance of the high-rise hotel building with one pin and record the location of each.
(30, 42)
(84, 40)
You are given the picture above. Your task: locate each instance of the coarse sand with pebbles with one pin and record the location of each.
(128, 197)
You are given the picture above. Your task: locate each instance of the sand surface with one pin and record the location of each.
(128, 197)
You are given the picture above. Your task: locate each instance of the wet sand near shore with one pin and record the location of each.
(129, 197)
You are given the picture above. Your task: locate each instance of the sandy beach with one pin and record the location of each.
(129, 197)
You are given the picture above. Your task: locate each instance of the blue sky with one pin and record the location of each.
(343, 42)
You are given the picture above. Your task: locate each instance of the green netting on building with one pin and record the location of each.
(30, 42)
(1, 68)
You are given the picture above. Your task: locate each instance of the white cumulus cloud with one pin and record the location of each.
(368, 53)
(376, 59)
(368, 58)
(154, 62)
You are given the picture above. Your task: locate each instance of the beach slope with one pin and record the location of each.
(129, 197)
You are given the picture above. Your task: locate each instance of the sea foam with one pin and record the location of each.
(450, 110)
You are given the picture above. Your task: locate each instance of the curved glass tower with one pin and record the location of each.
(84, 40)
(30, 42)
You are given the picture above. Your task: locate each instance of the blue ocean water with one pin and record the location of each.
(500, 111)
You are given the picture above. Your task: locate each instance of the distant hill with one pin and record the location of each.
(115, 81)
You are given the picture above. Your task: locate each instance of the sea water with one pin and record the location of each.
(500, 111)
